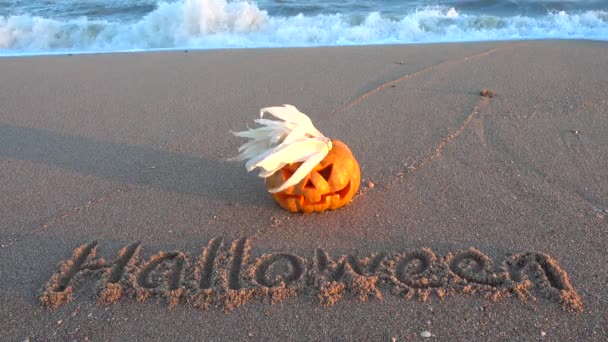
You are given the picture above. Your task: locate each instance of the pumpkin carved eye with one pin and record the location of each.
(326, 172)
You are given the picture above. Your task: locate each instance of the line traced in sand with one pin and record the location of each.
(362, 97)
(436, 152)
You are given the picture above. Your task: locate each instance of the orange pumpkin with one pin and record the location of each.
(329, 186)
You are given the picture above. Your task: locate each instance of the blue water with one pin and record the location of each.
(62, 26)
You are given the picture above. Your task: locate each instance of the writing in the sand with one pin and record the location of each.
(227, 275)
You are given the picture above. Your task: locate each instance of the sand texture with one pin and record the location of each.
(482, 212)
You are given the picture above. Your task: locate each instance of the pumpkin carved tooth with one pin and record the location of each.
(304, 170)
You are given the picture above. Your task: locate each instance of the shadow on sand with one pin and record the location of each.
(212, 179)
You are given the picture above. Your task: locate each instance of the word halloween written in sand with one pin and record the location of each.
(227, 276)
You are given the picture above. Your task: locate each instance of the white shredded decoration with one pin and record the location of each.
(277, 143)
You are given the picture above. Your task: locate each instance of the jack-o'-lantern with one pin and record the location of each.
(304, 170)
(330, 185)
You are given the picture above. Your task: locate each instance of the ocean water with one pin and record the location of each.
(79, 26)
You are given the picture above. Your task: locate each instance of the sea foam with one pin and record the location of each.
(209, 24)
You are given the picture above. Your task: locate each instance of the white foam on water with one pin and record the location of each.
(209, 24)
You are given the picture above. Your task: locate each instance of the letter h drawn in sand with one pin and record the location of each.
(84, 261)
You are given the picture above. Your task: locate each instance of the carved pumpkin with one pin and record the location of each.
(304, 170)
(329, 186)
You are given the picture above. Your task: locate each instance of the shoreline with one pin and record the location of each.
(197, 50)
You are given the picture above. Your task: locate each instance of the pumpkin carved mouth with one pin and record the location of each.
(342, 193)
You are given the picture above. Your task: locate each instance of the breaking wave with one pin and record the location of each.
(210, 24)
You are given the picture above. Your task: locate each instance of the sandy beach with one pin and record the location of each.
(487, 218)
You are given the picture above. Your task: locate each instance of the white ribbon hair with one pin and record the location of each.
(277, 143)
